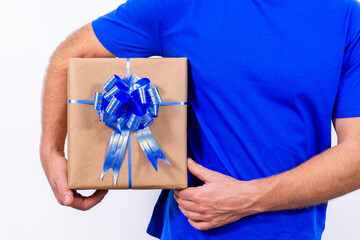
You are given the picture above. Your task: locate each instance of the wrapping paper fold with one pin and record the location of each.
(88, 138)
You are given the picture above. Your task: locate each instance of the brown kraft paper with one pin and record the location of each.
(88, 137)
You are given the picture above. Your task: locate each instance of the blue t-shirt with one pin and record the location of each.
(266, 77)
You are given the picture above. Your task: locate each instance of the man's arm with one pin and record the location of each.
(328, 175)
(83, 43)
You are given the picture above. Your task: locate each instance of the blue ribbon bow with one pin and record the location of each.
(128, 104)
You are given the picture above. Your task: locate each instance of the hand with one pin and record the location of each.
(221, 200)
(55, 167)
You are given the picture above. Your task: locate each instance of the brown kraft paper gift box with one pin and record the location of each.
(88, 137)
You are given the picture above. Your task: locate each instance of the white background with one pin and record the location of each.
(29, 32)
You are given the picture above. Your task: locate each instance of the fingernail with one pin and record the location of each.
(191, 162)
(67, 199)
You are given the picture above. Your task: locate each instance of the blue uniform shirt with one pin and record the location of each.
(266, 78)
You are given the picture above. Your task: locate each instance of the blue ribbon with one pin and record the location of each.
(129, 103)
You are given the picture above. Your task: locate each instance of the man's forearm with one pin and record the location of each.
(325, 176)
(54, 97)
(224, 199)
(82, 43)
(54, 104)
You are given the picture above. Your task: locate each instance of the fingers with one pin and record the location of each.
(190, 205)
(204, 173)
(198, 170)
(198, 220)
(192, 210)
(74, 199)
(190, 193)
(85, 203)
(195, 216)
(57, 175)
(63, 191)
(199, 225)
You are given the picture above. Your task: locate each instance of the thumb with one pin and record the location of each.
(204, 173)
(66, 195)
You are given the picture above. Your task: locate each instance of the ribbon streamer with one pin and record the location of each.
(129, 103)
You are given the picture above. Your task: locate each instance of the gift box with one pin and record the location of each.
(145, 98)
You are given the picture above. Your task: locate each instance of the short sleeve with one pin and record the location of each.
(347, 102)
(131, 30)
